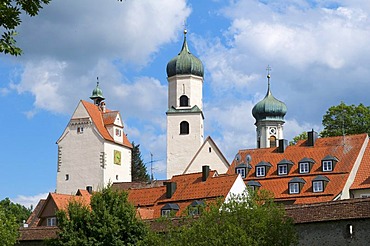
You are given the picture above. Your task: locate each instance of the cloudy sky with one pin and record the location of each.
(319, 53)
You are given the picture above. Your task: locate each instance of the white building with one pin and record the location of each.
(93, 149)
(185, 119)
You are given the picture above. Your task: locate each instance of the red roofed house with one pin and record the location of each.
(93, 149)
(183, 193)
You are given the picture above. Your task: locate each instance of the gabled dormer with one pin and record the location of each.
(319, 183)
(243, 169)
(328, 163)
(262, 168)
(113, 123)
(305, 165)
(295, 185)
(284, 167)
(254, 185)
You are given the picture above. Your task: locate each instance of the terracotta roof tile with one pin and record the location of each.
(362, 180)
(33, 220)
(345, 149)
(97, 117)
(39, 233)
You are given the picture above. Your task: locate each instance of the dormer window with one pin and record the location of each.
(184, 101)
(243, 170)
(328, 163)
(296, 185)
(284, 167)
(195, 207)
(262, 168)
(254, 185)
(319, 183)
(305, 165)
(169, 209)
(118, 132)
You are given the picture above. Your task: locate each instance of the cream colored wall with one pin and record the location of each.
(360, 193)
(212, 158)
(193, 89)
(111, 170)
(264, 128)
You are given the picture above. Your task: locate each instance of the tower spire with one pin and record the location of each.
(268, 69)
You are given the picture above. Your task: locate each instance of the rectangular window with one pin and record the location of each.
(327, 166)
(165, 213)
(52, 221)
(193, 211)
(260, 171)
(293, 188)
(317, 186)
(241, 171)
(304, 167)
(282, 169)
(118, 132)
(80, 130)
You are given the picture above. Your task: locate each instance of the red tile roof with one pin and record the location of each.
(100, 122)
(362, 180)
(38, 233)
(189, 188)
(346, 149)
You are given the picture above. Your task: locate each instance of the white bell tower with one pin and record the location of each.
(184, 115)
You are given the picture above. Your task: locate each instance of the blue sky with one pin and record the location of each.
(319, 53)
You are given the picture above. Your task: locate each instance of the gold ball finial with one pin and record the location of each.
(185, 31)
(268, 76)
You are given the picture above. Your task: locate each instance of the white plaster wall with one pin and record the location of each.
(111, 170)
(212, 159)
(264, 128)
(238, 188)
(193, 89)
(80, 112)
(182, 148)
(80, 159)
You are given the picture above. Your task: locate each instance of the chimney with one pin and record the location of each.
(283, 143)
(312, 137)
(170, 189)
(89, 189)
(205, 173)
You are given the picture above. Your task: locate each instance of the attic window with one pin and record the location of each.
(296, 185)
(262, 168)
(282, 169)
(195, 207)
(254, 185)
(241, 171)
(169, 209)
(51, 221)
(118, 132)
(328, 163)
(80, 130)
(305, 165)
(319, 183)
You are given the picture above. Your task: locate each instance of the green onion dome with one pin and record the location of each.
(269, 108)
(185, 63)
(97, 93)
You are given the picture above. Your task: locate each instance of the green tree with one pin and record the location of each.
(110, 220)
(302, 136)
(10, 11)
(252, 219)
(8, 228)
(345, 120)
(138, 169)
(20, 212)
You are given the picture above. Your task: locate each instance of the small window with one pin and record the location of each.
(272, 142)
(327, 166)
(304, 167)
(184, 128)
(282, 169)
(260, 171)
(241, 171)
(116, 177)
(209, 149)
(118, 132)
(52, 221)
(80, 130)
(194, 210)
(293, 188)
(184, 101)
(165, 213)
(67, 177)
(318, 186)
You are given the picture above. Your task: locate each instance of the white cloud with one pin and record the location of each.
(29, 201)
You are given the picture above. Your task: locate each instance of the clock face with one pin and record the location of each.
(117, 157)
(273, 130)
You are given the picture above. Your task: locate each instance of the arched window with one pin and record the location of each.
(272, 142)
(184, 101)
(184, 128)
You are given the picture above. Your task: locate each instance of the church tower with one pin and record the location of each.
(269, 114)
(184, 115)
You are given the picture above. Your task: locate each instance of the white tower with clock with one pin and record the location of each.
(184, 115)
(93, 149)
(269, 114)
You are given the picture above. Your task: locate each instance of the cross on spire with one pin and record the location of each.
(185, 26)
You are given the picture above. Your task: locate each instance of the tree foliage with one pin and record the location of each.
(19, 211)
(138, 169)
(8, 228)
(246, 220)
(345, 120)
(10, 11)
(302, 136)
(110, 220)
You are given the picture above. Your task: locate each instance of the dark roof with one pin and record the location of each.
(321, 178)
(285, 161)
(254, 183)
(310, 160)
(171, 206)
(264, 163)
(297, 180)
